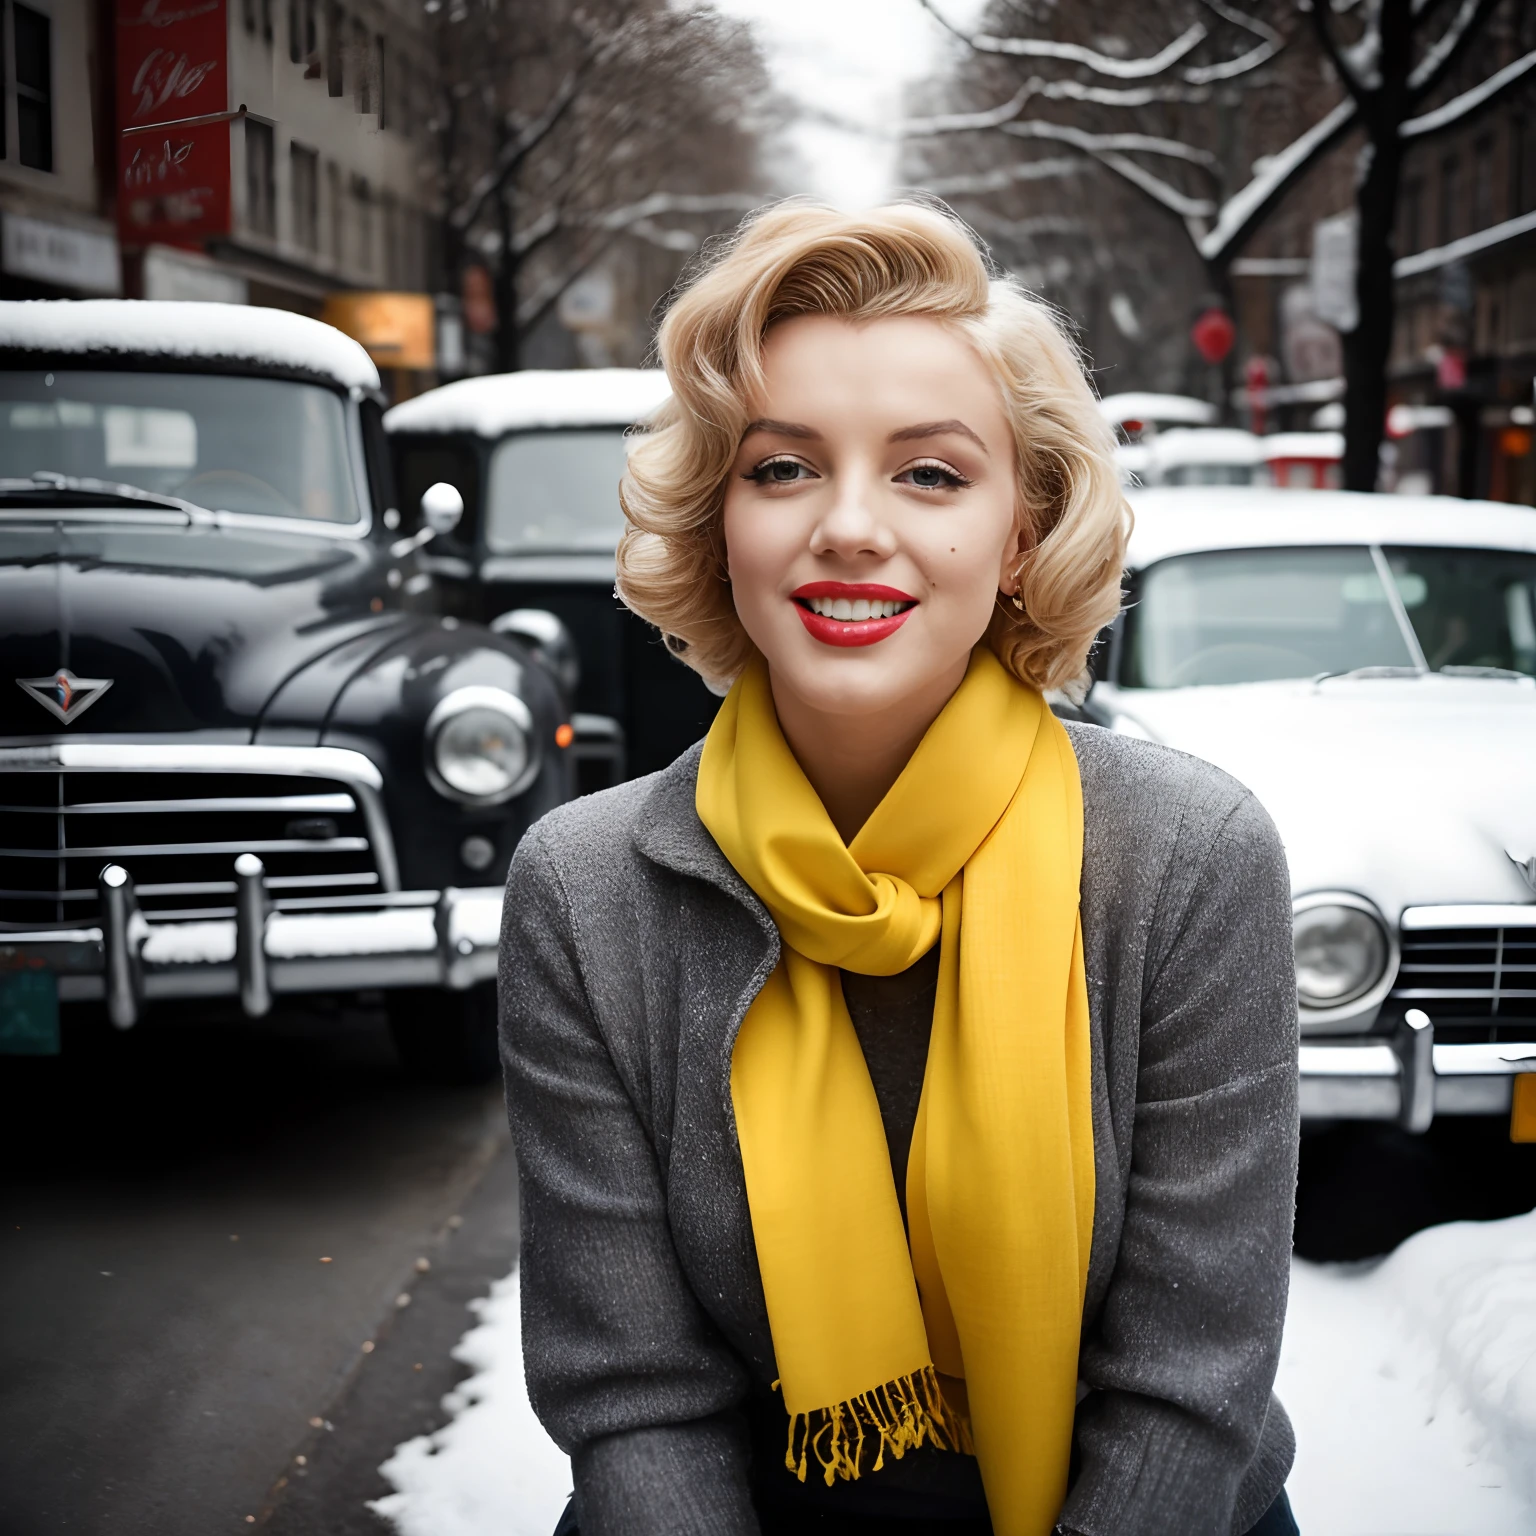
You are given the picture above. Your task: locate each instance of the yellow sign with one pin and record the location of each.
(397, 330)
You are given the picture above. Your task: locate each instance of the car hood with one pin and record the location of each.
(194, 630)
(1410, 791)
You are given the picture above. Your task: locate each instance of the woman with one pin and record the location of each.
(904, 1083)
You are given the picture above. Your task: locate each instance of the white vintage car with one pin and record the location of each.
(1367, 665)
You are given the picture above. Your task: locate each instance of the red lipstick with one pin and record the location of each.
(848, 632)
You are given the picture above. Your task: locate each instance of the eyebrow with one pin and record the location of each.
(936, 429)
(780, 429)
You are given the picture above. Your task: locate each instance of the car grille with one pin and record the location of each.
(1476, 984)
(177, 835)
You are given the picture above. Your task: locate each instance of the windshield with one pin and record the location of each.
(1259, 615)
(556, 491)
(265, 446)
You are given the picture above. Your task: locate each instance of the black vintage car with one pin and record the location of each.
(242, 753)
(537, 457)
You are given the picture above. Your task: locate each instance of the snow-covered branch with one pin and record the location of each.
(1108, 143)
(1243, 212)
(1438, 62)
(1004, 176)
(1075, 53)
(1193, 210)
(516, 150)
(1347, 69)
(1053, 90)
(1459, 107)
(1269, 44)
(629, 214)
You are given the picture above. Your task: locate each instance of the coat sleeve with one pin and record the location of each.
(1181, 1362)
(624, 1369)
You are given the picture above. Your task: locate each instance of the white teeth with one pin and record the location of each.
(853, 610)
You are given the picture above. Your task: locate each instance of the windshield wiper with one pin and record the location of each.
(48, 489)
(1370, 672)
(1509, 672)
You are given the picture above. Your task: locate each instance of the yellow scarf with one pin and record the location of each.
(978, 843)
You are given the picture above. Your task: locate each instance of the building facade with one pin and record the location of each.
(274, 152)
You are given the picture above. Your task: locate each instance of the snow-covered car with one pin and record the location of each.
(1204, 456)
(1138, 416)
(1367, 666)
(241, 753)
(537, 456)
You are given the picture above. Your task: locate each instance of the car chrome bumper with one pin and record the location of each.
(1408, 1078)
(400, 939)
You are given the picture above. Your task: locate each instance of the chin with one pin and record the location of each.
(862, 681)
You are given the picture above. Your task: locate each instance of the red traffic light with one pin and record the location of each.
(1213, 334)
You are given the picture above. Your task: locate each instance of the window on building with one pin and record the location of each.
(1410, 216)
(391, 241)
(248, 15)
(1450, 174)
(381, 79)
(33, 51)
(260, 179)
(338, 205)
(362, 68)
(335, 47)
(295, 33)
(1482, 182)
(304, 188)
(362, 198)
(1522, 165)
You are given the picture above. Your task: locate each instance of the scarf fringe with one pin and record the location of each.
(899, 1416)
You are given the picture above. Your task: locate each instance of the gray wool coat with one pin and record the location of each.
(630, 952)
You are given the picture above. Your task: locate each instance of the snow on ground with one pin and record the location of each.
(1411, 1382)
(492, 1471)
(1412, 1385)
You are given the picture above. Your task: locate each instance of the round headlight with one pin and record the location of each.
(1341, 953)
(480, 746)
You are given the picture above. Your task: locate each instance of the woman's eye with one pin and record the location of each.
(779, 472)
(933, 477)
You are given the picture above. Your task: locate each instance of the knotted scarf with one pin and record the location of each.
(978, 845)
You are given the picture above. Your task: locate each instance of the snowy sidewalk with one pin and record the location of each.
(1411, 1382)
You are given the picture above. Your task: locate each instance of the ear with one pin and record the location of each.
(1015, 548)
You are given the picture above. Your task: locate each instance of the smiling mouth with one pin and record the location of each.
(844, 613)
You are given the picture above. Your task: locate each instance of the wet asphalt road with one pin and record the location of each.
(172, 1341)
(202, 1225)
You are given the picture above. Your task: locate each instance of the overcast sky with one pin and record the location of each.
(849, 58)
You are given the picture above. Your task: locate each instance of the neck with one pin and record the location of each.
(852, 760)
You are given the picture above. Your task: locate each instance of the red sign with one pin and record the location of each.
(1213, 334)
(172, 64)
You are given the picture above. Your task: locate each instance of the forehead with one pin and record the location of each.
(902, 369)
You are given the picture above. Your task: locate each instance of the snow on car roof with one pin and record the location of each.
(1206, 445)
(495, 404)
(1303, 445)
(1181, 520)
(236, 333)
(1140, 405)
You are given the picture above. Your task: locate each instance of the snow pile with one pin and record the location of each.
(497, 403)
(492, 1471)
(1412, 1385)
(270, 338)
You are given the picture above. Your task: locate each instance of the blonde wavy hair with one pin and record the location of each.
(905, 259)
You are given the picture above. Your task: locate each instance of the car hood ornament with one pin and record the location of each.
(64, 695)
(1525, 863)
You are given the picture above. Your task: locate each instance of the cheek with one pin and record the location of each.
(757, 551)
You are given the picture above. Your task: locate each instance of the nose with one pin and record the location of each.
(850, 526)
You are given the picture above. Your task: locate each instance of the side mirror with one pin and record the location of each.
(441, 508)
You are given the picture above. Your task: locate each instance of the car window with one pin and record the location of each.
(271, 447)
(556, 491)
(1256, 615)
(1470, 607)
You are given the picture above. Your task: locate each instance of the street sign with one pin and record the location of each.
(1334, 244)
(172, 121)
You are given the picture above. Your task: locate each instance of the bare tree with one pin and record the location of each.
(565, 128)
(1178, 120)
